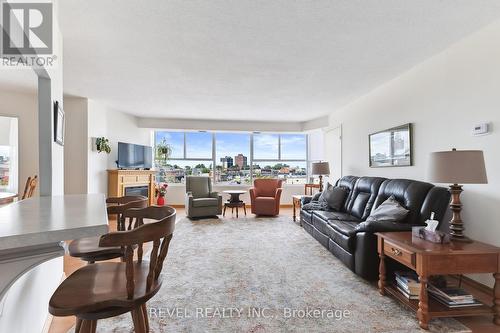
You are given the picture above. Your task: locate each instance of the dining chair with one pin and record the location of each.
(88, 248)
(108, 289)
(30, 187)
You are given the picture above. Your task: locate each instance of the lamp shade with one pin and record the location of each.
(320, 168)
(458, 167)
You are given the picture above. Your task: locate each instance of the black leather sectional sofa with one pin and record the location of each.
(353, 242)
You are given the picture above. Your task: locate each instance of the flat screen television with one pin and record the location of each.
(132, 156)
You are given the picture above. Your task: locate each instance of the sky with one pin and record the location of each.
(199, 146)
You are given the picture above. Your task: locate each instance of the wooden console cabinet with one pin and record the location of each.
(120, 180)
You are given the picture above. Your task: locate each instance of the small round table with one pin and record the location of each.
(7, 197)
(235, 202)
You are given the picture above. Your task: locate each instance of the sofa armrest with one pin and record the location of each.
(214, 195)
(382, 226)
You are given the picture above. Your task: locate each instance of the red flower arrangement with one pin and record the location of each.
(160, 192)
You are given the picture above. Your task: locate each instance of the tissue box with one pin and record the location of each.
(431, 236)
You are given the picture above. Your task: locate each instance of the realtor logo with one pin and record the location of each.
(27, 29)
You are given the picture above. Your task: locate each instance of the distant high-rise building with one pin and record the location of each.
(227, 162)
(241, 161)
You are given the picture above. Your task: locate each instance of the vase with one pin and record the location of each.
(161, 200)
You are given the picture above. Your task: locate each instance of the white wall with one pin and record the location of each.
(444, 98)
(86, 169)
(24, 107)
(75, 146)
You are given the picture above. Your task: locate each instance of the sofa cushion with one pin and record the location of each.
(344, 227)
(329, 215)
(390, 211)
(205, 202)
(345, 238)
(266, 204)
(347, 182)
(334, 197)
(199, 186)
(319, 224)
(409, 193)
(266, 187)
(363, 196)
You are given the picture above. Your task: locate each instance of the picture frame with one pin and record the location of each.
(391, 147)
(59, 124)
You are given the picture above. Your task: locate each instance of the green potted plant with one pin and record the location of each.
(102, 145)
(163, 152)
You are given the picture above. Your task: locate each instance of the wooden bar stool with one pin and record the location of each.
(88, 248)
(109, 289)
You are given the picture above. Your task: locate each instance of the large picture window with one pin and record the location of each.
(233, 158)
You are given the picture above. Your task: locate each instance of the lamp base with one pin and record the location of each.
(456, 223)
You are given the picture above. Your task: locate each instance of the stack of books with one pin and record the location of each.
(453, 297)
(407, 284)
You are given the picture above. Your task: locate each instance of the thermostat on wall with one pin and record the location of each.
(480, 129)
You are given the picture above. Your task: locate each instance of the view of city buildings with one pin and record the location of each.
(231, 165)
(4, 167)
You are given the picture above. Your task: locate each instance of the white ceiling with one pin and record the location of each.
(248, 59)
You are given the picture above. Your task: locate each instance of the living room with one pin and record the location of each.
(283, 165)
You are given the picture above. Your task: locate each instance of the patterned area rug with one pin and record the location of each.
(265, 275)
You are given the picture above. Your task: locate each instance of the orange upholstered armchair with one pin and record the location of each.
(265, 197)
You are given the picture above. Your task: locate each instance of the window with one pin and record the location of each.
(8, 154)
(280, 156)
(174, 139)
(266, 146)
(199, 145)
(293, 147)
(233, 158)
(191, 154)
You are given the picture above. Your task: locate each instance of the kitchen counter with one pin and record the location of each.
(47, 220)
(32, 231)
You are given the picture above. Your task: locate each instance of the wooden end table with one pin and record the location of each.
(428, 259)
(297, 203)
(235, 202)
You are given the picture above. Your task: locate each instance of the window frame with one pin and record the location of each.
(251, 160)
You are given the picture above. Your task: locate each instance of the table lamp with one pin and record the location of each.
(457, 167)
(321, 169)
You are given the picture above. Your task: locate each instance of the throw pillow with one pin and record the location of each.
(315, 205)
(390, 210)
(333, 196)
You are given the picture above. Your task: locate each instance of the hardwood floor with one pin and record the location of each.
(481, 324)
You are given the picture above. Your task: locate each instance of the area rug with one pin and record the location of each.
(265, 275)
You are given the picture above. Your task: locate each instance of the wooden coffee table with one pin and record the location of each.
(428, 259)
(235, 202)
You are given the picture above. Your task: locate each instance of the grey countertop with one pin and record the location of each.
(48, 220)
